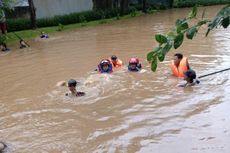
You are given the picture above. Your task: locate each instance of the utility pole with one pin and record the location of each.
(32, 14)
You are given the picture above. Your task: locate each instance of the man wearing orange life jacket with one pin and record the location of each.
(116, 62)
(179, 65)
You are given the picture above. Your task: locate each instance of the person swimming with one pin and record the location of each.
(72, 89)
(44, 35)
(190, 78)
(3, 147)
(22, 44)
(105, 66)
(116, 62)
(134, 65)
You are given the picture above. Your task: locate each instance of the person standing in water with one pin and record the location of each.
(179, 65)
(3, 28)
(190, 78)
(116, 62)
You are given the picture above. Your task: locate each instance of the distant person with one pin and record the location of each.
(134, 65)
(116, 62)
(105, 66)
(3, 28)
(190, 78)
(44, 35)
(179, 65)
(22, 44)
(3, 147)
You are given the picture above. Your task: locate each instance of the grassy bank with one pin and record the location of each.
(29, 34)
(191, 3)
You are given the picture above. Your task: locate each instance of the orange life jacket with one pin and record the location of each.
(118, 64)
(181, 69)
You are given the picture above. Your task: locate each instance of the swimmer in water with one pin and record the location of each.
(3, 147)
(190, 77)
(134, 65)
(72, 89)
(22, 44)
(44, 35)
(116, 62)
(105, 66)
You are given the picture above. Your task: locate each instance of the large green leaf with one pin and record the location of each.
(171, 35)
(179, 22)
(191, 32)
(160, 38)
(178, 40)
(193, 13)
(152, 54)
(225, 22)
(154, 64)
(166, 48)
(161, 56)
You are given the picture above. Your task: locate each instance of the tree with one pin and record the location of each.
(175, 37)
(144, 7)
(124, 4)
(32, 14)
(4, 5)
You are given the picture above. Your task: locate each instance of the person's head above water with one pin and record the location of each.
(72, 82)
(134, 64)
(72, 85)
(105, 65)
(114, 58)
(2, 147)
(177, 58)
(190, 76)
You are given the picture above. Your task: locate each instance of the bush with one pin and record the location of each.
(18, 24)
(82, 17)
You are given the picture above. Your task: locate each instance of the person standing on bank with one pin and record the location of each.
(3, 28)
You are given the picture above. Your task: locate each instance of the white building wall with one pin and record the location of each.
(50, 8)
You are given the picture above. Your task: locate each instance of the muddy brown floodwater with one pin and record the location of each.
(123, 112)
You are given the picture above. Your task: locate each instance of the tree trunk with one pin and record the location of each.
(171, 3)
(124, 4)
(32, 14)
(144, 9)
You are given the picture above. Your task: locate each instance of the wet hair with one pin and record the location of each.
(114, 57)
(179, 55)
(4, 147)
(72, 82)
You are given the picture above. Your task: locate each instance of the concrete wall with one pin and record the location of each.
(50, 8)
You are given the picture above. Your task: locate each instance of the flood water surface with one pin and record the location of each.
(123, 112)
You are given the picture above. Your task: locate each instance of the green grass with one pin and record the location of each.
(191, 3)
(30, 34)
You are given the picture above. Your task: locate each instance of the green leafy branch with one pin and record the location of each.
(175, 37)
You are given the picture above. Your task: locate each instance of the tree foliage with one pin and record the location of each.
(182, 30)
(6, 4)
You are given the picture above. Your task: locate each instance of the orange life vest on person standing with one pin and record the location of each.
(179, 71)
(118, 63)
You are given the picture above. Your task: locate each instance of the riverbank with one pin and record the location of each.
(29, 34)
(191, 3)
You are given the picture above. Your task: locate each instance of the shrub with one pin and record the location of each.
(18, 24)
